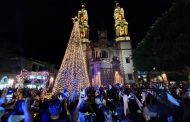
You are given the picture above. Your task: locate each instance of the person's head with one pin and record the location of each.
(98, 100)
(65, 90)
(83, 108)
(101, 89)
(97, 92)
(149, 99)
(20, 96)
(54, 108)
(45, 105)
(126, 91)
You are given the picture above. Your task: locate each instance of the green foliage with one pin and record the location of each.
(166, 45)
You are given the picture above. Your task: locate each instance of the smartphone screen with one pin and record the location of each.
(9, 95)
(83, 94)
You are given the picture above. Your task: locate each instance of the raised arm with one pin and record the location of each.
(125, 103)
(27, 114)
(76, 111)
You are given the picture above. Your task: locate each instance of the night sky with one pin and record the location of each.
(40, 29)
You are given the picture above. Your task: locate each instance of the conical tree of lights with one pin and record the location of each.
(73, 71)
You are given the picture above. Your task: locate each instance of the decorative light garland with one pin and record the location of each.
(25, 75)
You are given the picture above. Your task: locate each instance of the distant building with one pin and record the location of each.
(11, 65)
(108, 61)
(16, 64)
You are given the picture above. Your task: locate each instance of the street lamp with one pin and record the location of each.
(51, 81)
(98, 73)
(10, 82)
(154, 68)
(99, 79)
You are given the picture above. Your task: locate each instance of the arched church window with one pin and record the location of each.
(82, 34)
(120, 17)
(107, 54)
(82, 19)
(96, 54)
(104, 54)
(122, 31)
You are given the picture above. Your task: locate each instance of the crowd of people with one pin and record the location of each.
(112, 103)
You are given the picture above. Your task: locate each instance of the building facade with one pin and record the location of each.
(11, 66)
(108, 61)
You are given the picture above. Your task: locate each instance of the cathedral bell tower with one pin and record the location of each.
(83, 24)
(84, 35)
(121, 25)
(123, 43)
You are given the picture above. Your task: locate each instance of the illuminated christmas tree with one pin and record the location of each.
(73, 72)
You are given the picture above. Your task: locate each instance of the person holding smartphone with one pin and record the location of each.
(76, 111)
(9, 95)
(21, 112)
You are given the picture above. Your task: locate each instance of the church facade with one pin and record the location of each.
(108, 62)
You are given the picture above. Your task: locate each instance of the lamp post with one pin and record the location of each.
(51, 81)
(99, 79)
(164, 77)
(10, 82)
